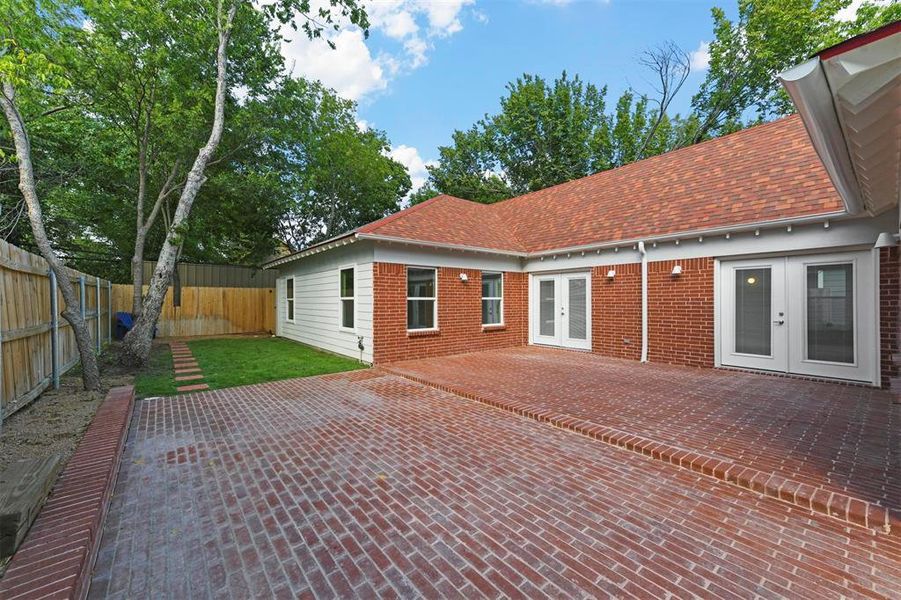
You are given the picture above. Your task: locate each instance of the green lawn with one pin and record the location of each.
(227, 362)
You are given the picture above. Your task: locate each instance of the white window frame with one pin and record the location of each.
(434, 298)
(292, 301)
(501, 298)
(342, 299)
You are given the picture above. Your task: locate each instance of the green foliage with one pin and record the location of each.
(768, 37)
(546, 134)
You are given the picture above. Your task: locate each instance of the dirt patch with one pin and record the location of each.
(56, 421)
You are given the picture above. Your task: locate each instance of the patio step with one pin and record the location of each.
(845, 508)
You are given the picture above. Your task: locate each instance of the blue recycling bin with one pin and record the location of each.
(124, 323)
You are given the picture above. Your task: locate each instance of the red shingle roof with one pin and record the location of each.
(764, 173)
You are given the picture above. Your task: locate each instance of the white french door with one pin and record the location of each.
(561, 310)
(811, 315)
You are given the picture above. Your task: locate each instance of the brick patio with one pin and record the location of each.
(844, 438)
(366, 484)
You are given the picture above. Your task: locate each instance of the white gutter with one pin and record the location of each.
(681, 235)
(644, 302)
(809, 89)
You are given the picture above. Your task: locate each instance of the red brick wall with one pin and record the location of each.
(680, 312)
(889, 281)
(459, 315)
(616, 311)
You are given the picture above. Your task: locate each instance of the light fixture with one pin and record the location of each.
(464, 277)
(886, 239)
(677, 270)
(611, 274)
(751, 280)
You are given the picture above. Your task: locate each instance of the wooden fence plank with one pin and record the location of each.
(209, 310)
(28, 335)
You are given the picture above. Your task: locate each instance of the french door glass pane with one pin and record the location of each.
(546, 313)
(753, 311)
(830, 313)
(577, 308)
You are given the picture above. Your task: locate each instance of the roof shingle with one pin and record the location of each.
(764, 173)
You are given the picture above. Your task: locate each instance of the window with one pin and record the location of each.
(347, 297)
(422, 298)
(492, 298)
(289, 299)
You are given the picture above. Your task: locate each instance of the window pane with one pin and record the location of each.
(830, 313)
(347, 313)
(420, 314)
(347, 283)
(290, 310)
(491, 312)
(753, 311)
(420, 283)
(546, 314)
(492, 285)
(577, 309)
(289, 288)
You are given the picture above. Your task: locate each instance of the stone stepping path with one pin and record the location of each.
(187, 372)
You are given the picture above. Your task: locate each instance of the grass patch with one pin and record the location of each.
(157, 378)
(227, 362)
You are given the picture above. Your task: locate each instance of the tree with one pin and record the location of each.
(768, 37)
(425, 192)
(545, 134)
(24, 66)
(137, 342)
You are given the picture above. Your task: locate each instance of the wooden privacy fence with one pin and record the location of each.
(209, 310)
(36, 344)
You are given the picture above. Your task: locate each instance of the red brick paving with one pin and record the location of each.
(806, 435)
(368, 485)
(183, 363)
(57, 556)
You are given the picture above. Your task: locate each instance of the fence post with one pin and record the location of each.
(54, 331)
(109, 312)
(97, 287)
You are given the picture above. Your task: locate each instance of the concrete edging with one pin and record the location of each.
(848, 509)
(57, 558)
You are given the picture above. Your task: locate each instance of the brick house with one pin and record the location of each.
(747, 251)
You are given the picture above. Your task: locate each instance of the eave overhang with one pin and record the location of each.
(849, 97)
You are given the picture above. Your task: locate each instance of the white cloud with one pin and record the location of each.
(362, 125)
(700, 58)
(480, 16)
(411, 26)
(350, 68)
(849, 13)
(409, 157)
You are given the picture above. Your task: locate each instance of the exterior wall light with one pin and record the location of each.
(464, 277)
(677, 270)
(611, 274)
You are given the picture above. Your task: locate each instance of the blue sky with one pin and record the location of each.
(432, 66)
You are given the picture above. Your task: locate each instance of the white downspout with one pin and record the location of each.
(644, 302)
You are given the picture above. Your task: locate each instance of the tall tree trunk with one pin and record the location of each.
(137, 342)
(90, 373)
(137, 275)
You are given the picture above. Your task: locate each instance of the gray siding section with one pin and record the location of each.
(205, 275)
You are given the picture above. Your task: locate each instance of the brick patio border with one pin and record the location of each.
(58, 555)
(816, 499)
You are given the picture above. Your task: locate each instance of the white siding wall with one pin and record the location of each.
(316, 300)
